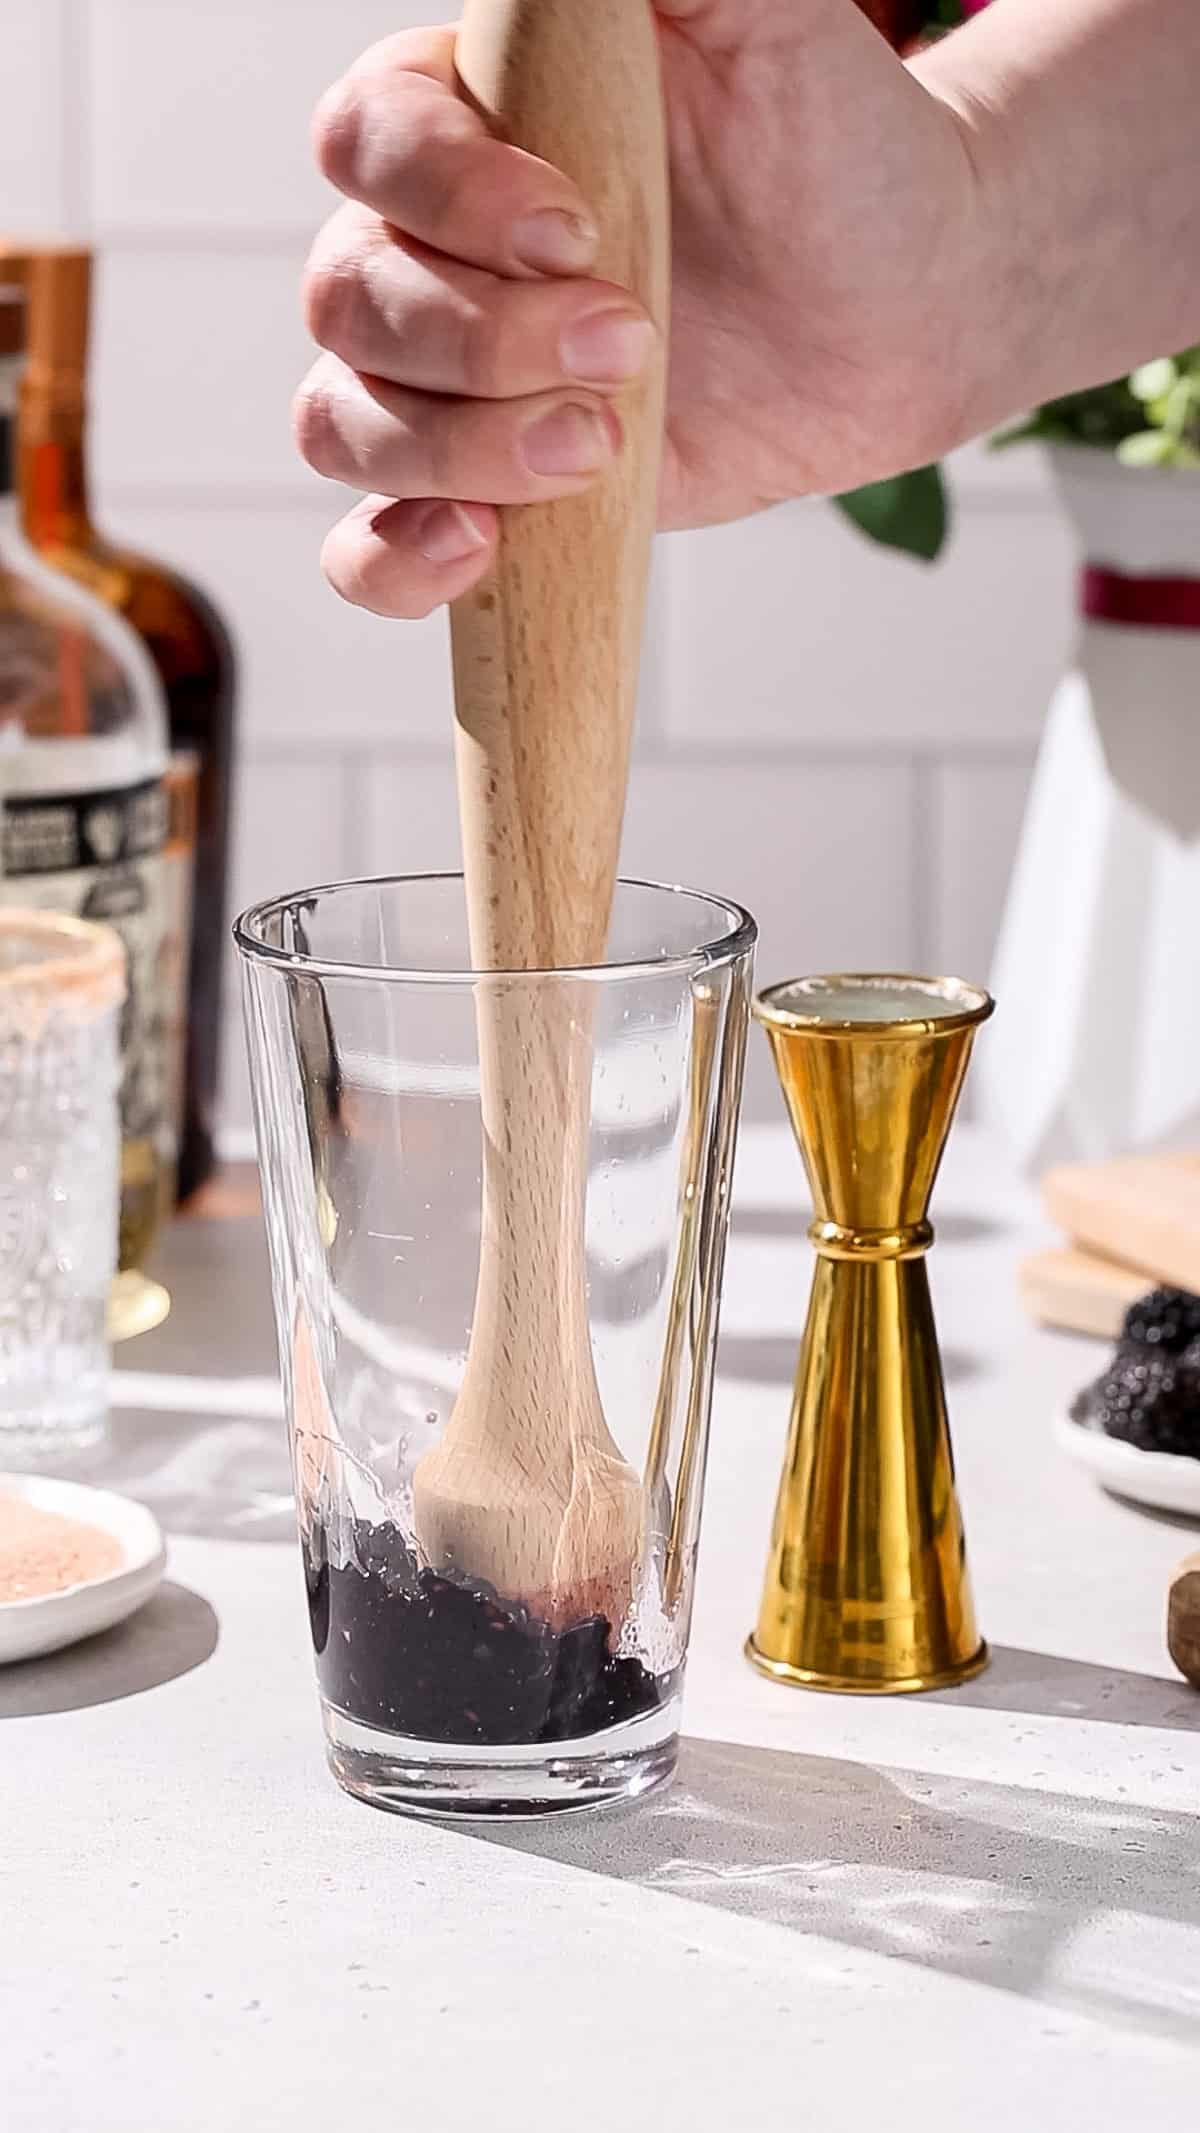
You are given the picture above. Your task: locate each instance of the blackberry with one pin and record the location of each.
(1149, 1398)
(1166, 1319)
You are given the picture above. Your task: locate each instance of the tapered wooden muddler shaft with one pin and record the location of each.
(527, 1487)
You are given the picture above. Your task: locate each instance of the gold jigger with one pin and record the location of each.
(866, 1587)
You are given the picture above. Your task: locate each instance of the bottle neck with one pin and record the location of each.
(9, 374)
(52, 469)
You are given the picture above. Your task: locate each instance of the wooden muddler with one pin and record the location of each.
(527, 1488)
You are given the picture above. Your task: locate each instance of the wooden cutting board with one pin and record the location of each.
(1133, 1222)
(1078, 1292)
(1141, 1210)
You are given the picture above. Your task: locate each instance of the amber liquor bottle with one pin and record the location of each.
(83, 825)
(179, 626)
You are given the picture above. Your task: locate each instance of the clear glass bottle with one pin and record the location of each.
(83, 755)
(178, 624)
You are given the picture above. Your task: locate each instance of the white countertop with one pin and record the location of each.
(978, 1910)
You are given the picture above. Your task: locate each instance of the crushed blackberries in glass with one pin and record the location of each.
(405, 1649)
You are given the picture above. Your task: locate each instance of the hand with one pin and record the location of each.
(828, 241)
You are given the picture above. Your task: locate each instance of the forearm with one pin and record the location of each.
(1082, 120)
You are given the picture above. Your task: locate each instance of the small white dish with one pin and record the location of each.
(1167, 1481)
(55, 1619)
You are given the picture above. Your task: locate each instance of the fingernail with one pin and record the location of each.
(606, 346)
(450, 535)
(569, 440)
(554, 242)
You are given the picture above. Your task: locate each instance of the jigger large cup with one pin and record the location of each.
(443, 1692)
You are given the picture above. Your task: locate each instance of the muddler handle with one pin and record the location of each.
(546, 649)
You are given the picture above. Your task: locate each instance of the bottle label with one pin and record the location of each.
(99, 855)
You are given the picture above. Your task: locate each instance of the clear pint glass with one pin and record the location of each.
(497, 1322)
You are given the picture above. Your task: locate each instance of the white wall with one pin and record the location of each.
(839, 738)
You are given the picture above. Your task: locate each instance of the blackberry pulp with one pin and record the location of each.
(410, 1651)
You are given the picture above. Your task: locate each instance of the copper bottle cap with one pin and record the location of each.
(59, 282)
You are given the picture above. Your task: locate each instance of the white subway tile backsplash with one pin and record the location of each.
(33, 143)
(201, 113)
(1017, 474)
(291, 828)
(314, 672)
(197, 357)
(792, 629)
(408, 814)
(822, 854)
(978, 811)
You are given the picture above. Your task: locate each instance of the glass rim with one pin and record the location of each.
(964, 1004)
(68, 958)
(707, 955)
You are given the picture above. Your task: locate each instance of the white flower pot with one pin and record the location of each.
(1096, 1044)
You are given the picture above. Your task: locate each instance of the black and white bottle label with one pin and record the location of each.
(99, 855)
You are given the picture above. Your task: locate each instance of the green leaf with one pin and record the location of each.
(1149, 448)
(1150, 381)
(1101, 416)
(1177, 409)
(1163, 394)
(909, 511)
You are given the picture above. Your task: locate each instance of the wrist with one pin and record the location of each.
(1007, 272)
(1077, 122)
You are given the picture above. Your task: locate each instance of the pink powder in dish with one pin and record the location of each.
(42, 1552)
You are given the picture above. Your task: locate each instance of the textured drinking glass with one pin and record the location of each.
(62, 982)
(497, 1342)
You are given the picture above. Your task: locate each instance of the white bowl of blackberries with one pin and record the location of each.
(1138, 1426)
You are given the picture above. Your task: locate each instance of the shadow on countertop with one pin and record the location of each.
(1035, 1684)
(174, 1632)
(217, 1477)
(1081, 1904)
